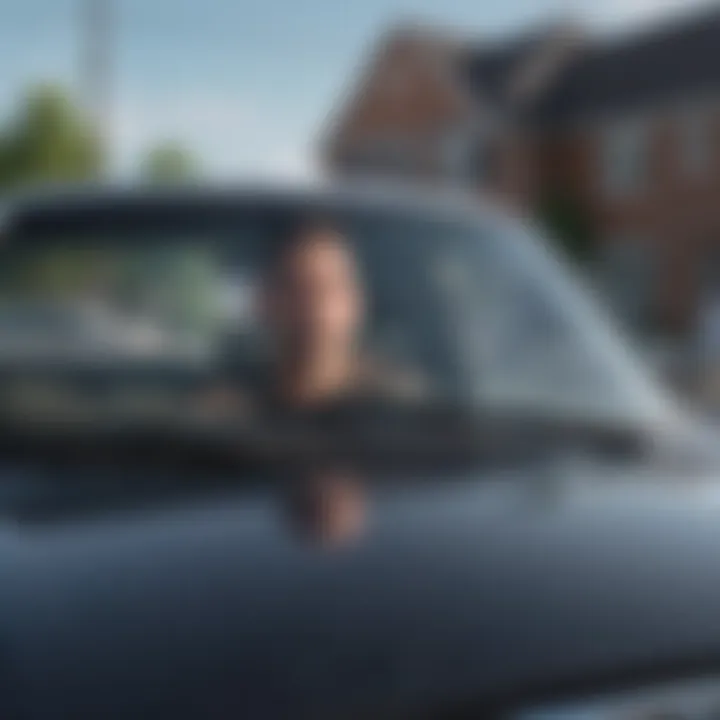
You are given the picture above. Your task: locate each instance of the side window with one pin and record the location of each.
(403, 324)
(511, 330)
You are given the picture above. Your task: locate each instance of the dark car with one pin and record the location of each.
(537, 537)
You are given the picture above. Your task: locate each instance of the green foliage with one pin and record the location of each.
(169, 163)
(48, 140)
(56, 273)
(568, 222)
(174, 285)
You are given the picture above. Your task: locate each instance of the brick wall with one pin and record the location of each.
(406, 97)
(405, 93)
(675, 211)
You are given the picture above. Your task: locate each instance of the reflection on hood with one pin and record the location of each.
(327, 509)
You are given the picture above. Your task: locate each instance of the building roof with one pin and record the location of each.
(556, 73)
(656, 66)
(489, 69)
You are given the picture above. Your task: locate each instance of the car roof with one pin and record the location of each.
(357, 194)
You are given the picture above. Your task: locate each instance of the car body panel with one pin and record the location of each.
(458, 589)
(472, 588)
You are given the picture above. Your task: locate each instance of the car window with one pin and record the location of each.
(471, 307)
(520, 339)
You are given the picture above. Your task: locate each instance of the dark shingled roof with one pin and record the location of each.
(488, 70)
(657, 66)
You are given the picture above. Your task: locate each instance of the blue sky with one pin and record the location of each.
(246, 84)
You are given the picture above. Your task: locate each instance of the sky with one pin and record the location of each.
(247, 84)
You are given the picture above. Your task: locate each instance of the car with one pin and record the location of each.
(537, 537)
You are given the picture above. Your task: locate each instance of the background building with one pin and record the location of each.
(614, 142)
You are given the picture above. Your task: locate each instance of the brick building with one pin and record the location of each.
(625, 129)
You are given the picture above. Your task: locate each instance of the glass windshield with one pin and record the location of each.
(149, 318)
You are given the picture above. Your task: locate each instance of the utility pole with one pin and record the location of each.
(96, 66)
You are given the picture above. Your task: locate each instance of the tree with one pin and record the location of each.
(169, 163)
(48, 139)
(567, 221)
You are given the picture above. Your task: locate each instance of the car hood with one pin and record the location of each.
(449, 589)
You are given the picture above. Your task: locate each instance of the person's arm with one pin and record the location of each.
(395, 383)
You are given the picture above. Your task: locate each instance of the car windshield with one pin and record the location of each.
(140, 314)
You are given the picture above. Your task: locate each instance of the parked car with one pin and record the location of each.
(536, 539)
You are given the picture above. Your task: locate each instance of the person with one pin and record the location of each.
(314, 306)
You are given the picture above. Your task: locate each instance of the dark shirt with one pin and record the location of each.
(372, 382)
(254, 393)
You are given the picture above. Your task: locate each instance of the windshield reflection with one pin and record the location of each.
(327, 509)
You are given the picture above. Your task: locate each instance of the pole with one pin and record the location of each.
(97, 67)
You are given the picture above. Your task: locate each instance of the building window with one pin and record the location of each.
(627, 275)
(696, 142)
(470, 158)
(385, 155)
(486, 163)
(457, 155)
(625, 158)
